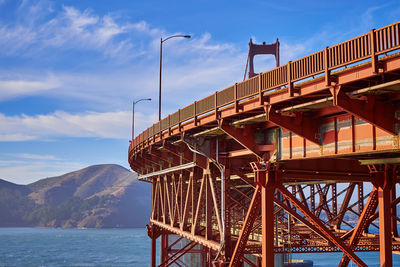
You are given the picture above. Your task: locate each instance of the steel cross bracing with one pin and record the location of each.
(300, 159)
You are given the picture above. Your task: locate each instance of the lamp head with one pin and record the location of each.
(187, 36)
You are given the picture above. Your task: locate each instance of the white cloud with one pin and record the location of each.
(14, 88)
(33, 156)
(68, 29)
(26, 172)
(193, 68)
(114, 125)
(16, 137)
(83, 30)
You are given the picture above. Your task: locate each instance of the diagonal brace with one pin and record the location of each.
(320, 226)
(369, 208)
(251, 216)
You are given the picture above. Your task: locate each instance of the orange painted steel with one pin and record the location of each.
(283, 162)
(271, 81)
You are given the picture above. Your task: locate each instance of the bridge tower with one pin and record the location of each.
(260, 49)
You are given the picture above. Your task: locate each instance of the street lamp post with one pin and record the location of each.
(133, 114)
(159, 85)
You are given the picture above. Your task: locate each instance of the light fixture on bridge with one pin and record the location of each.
(159, 85)
(133, 114)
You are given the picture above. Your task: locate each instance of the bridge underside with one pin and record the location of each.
(308, 165)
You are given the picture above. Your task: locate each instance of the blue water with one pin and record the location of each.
(333, 259)
(50, 247)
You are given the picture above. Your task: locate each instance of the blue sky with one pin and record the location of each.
(69, 70)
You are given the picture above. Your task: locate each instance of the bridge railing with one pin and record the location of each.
(387, 38)
(274, 78)
(369, 45)
(307, 66)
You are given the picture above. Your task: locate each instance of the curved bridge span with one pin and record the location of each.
(300, 159)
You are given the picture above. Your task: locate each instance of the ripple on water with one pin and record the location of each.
(48, 247)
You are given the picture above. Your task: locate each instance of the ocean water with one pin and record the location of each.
(50, 247)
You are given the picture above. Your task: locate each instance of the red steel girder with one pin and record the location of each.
(245, 137)
(300, 124)
(296, 215)
(377, 113)
(376, 215)
(200, 202)
(183, 152)
(323, 205)
(197, 238)
(251, 264)
(345, 205)
(191, 195)
(385, 222)
(153, 252)
(172, 259)
(320, 226)
(324, 167)
(251, 216)
(156, 154)
(361, 224)
(153, 160)
(302, 196)
(267, 221)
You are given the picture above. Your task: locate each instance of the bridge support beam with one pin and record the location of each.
(153, 232)
(320, 227)
(237, 256)
(153, 252)
(377, 113)
(244, 136)
(267, 222)
(164, 248)
(385, 222)
(265, 178)
(299, 124)
(227, 214)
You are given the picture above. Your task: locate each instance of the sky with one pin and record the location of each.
(69, 70)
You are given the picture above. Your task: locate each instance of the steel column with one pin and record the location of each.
(164, 248)
(153, 252)
(385, 222)
(267, 221)
(227, 215)
(394, 211)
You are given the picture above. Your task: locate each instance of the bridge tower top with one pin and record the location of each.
(261, 49)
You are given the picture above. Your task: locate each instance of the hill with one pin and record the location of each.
(97, 196)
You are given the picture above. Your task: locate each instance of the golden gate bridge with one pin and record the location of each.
(303, 158)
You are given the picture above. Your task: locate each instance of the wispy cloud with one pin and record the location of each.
(24, 168)
(26, 172)
(115, 125)
(14, 88)
(85, 30)
(32, 156)
(15, 137)
(68, 29)
(193, 69)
